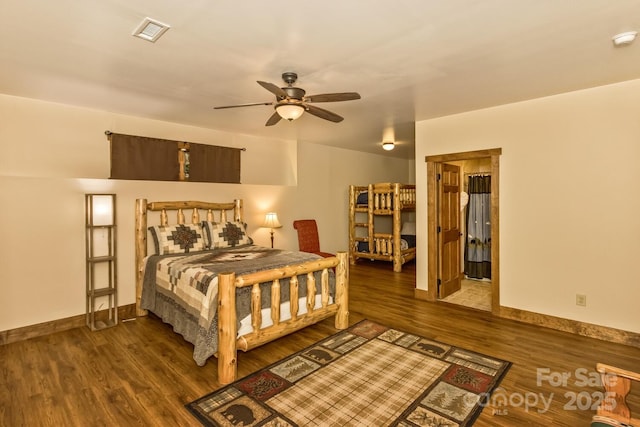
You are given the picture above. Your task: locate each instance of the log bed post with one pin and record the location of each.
(227, 329)
(342, 291)
(238, 211)
(397, 228)
(353, 245)
(141, 250)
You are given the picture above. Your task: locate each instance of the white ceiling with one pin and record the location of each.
(409, 59)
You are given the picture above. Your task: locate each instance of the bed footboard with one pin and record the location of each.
(229, 344)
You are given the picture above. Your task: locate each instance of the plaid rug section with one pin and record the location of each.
(367, 375)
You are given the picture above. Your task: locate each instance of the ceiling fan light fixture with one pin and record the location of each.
(624, 38)
(388, 146)
(291, 102)
(290, 111)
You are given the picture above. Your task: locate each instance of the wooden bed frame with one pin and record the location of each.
(228, 343)
(385, 198)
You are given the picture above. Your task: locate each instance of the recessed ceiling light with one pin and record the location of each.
(624, 38)
(150, 29)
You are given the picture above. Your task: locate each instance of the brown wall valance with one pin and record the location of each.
(139, 157)
(209, 163)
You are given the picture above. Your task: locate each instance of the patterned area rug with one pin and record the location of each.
(367, 375)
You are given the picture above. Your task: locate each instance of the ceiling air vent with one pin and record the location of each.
(150, 29)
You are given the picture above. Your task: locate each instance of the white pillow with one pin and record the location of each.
(408, 228)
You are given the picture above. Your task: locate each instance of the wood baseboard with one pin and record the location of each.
(566, 325)
(560, 324)
(46, 328)
(573, 326)
(422, 294)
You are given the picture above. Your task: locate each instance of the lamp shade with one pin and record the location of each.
(271, 220)
(100, 209)
(290, 111)
(388, 146)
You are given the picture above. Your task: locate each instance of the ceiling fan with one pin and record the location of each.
(291, 101)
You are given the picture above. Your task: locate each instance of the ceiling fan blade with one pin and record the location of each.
(323, 114)
(275, 118)
(243, 105)
(281, 94)
(333, 97)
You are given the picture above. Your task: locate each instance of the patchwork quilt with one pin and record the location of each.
(182, 289)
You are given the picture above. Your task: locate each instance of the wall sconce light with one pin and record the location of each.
(290, 111)
(271, 221)
(388, 146)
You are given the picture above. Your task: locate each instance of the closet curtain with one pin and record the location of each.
(477, 254)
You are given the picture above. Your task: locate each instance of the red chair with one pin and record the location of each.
(308, 240)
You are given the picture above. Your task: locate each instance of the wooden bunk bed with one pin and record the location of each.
(279, 298)
(381, 199)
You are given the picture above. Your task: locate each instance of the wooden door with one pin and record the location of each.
(449, 265)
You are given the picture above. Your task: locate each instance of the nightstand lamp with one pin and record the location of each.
(271, 221)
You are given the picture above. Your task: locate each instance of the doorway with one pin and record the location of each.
(438, 256)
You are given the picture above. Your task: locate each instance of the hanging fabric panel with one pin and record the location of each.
(210, 163)
(139, 157)
(477, 259)
(142, 158)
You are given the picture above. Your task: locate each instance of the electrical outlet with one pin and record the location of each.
(581, 300)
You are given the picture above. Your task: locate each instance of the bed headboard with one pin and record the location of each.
(198, 211)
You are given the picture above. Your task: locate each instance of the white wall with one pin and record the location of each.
(54, 140)
(53, 154)
(569, 186)
(323, 186)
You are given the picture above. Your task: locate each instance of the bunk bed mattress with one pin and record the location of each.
(407, 241)
(363, 200)
(183, 289)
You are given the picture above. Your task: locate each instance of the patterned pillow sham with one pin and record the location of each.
(178, 238)
(225, 235)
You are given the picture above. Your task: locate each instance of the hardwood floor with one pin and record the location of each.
(142, 373)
